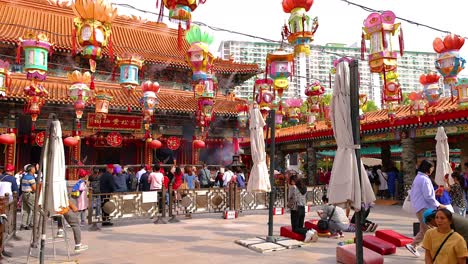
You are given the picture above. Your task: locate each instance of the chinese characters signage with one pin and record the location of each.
(114, 122)
(40, 138)
(114, 139)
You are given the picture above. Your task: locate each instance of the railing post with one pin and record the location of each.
(172, 216)
(93, 226)
(162, 206)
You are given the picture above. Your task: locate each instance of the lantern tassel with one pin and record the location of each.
(363, 46)
(401, 41)
(73, 41)
(18, 54)
(111, 49)
(161, 11)
(180, 31)
(384, 42)
(114, 73)
(91, 85)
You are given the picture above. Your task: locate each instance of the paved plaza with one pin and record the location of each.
(209, 239)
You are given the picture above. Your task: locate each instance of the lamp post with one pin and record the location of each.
(271, 126)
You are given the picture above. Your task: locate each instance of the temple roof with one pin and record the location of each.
(155, 42)
(169, 99)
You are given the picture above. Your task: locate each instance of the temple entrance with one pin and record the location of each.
(108, 155)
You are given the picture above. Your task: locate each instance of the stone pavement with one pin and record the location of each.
(209, 239)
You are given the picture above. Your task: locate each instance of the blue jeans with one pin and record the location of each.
(97, 205)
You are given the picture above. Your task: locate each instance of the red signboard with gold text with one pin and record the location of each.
(114, 122)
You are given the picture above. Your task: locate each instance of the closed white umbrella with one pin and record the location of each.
(53, 171)
(344, 182)
(259, 180)
(443, 162)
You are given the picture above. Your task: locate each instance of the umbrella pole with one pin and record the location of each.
(354, 100)
(271, 125)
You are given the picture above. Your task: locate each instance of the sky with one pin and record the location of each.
(338, 21)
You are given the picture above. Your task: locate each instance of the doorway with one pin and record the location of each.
(107, 156)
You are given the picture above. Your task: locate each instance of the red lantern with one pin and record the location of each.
(198, 143)
(7, 139)
(70, 142)
(155, 144)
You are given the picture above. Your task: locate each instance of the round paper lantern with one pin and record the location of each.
(155, 144)
(7, 139)
(70, 142)
(198, 143)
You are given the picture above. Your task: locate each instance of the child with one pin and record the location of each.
(82, 200)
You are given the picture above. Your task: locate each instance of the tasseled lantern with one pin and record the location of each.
(129, 71)
(5, 80)
(79, 91)
(180, 11)
(301, 29)
(431, 89)
(149, 101)
(93, 27)
(265, 97)
(36, 51)
(449, 62)
(314, 93)
(294, 110)
(418, 104)
(280, 66)
(102, 102)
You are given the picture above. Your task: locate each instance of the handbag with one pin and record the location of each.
(292, 203)
(407, 207)
(184, 185)
(323, 225)
(441, 245)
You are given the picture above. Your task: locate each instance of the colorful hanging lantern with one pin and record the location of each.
(180, 11)
(314, 93)
(102, 101)
(391, 94)
(462, 87)
(201, 60)
(242, 115)
(265, 96)
(431, 89)
(93, 27)
(149, 101)
(379, 29)
(294, 110)
(418, 104)
(79, 91)
(279, 114)
(449, 62)
(362, 106)
(5, 80)
(280, 65)
(36, 51)
(129, 67)
(301, 30)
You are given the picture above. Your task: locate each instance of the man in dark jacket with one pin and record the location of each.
(106, 185)
(144, 185)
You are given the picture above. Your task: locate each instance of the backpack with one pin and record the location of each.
(75, 192)
(95, 185)
(132, 183)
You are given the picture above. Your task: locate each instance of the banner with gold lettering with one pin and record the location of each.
(114, 122)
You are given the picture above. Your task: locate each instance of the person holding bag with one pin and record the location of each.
(442, 244)
(336, 219)
(296, 203)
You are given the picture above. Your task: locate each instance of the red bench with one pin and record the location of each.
(393, 237)
(378, 245)
(347, 254)
(286, 231)
(312, 224)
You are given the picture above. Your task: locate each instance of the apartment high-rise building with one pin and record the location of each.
(317, 66)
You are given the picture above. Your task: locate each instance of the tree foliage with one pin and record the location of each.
(371, 106)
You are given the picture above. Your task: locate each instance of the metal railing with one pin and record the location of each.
(8, 208)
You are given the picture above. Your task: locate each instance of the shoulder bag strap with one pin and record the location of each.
(333, 211)
(4, 176)
(441, 245)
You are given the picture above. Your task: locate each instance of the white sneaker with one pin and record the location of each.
(412, 250)
(60, 233)
(308, 236)
(80, 247)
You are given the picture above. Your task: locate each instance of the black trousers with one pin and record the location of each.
(366, 214)
(297, 220)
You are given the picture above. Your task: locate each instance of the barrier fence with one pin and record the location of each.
(8, 208)
(134, 205)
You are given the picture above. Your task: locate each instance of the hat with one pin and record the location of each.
(82, 173)
(147, 167)
(26, 167)
(9, 167)
(110, 166)
(428, 213)
(117, 169)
